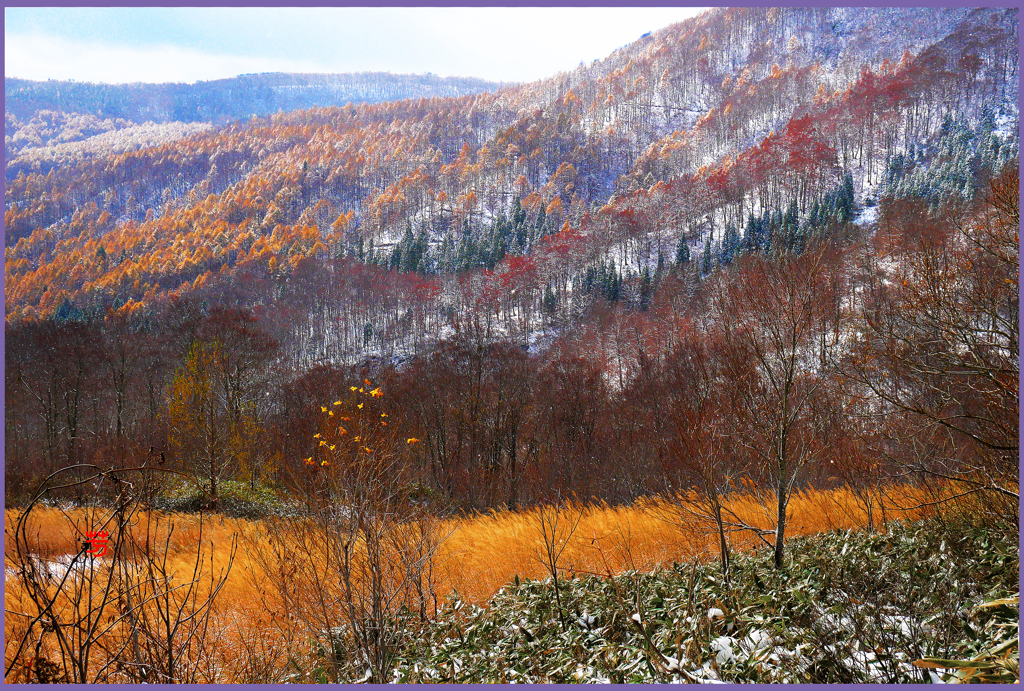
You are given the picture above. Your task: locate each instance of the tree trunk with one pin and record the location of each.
(780, 531)
(723, 545)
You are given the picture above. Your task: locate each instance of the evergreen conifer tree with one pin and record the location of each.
(646, 289)
(683, 252)
(730, 244)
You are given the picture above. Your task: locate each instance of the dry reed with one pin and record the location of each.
(482, 553)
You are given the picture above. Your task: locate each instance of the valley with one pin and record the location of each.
(726, 320)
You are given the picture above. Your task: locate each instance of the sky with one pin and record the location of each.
(121, 45)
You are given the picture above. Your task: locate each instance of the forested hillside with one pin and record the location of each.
(52, 112)
(527, 266)
(688, 132)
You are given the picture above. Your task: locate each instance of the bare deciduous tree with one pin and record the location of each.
(939, 348)
(119, 614)
(362, 556)
(771, 312)
(556, 524)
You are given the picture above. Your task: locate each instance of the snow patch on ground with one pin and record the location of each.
(756, 640)
(723, 647)
(55, 568)
(867, 217)
(1007, 124)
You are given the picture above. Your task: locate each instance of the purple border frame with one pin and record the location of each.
(520, 3)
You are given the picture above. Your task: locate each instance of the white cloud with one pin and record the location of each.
(47, 57)
(533, 43)
(498, 43)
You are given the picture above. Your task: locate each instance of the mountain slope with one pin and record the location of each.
(39, 112)
(228, 99)
(732, 117)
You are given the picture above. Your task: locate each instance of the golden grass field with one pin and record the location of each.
(481, 553)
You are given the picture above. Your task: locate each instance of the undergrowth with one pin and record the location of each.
(851, 606)
(236, 499)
